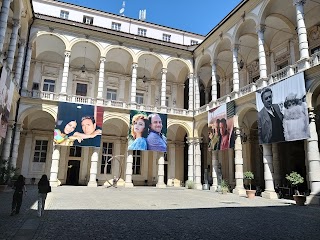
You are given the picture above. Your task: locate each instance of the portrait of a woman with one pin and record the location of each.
(139, 132)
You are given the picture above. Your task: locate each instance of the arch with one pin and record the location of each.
(240, 24)
(242, 110)
(110, 47)
(49, 109)
(184, 125)
(78, 40)
(41, 33)
(170, 59)
(312, 93)
(139, 54)
(124, 118)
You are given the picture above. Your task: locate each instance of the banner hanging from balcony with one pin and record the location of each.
(220, 127)
(282, 111)
(6, 94)
(78, 125)
(147, 131)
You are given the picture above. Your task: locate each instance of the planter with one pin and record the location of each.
(2, 187)
(300, 199)
(251, 193)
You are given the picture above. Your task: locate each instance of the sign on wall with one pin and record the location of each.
(147, 131)
(220, 127)
(78, 125)
(282, 111)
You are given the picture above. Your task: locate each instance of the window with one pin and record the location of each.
(87, 20)
(167, 101)
(116, 26)
(166, 37)
(64, 14)
(40, 151)
(48, 85)
(81, 89)
(194, 42)
(111, 94)
(136, 166)
(142, 32)
(75, 151)
(139, 98)
(106, 155)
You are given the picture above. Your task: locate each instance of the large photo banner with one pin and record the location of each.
(282, 111)
(220, 127)
(147, 131)
(6, 94)
(78, 125)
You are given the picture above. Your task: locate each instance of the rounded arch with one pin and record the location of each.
(111, 47)
(123, 118)
(78, 40)
(313, 93)
(140, 54)
(241, 112)
(170, 59)
(42, 33)
(184, 125)
(49, 109)
(239, 27)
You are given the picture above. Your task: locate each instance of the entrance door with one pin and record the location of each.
(73, 172)
(165, 173)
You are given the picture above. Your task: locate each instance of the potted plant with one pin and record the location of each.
(6, 173)
(295, 179)
(189, 184)
(224, 186)
(248, 175)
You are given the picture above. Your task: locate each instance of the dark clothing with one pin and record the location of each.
(44, 188)
(277, 136)
(89, 142)
(17, 197)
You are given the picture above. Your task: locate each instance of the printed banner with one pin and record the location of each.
(6, 94)
(220, 125)
(282, 111)
(78, 125)
(147, 131)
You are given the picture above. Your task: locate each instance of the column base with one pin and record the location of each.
(128, 185)
(239, 191)
(54, 183)
(213, 188)
(161, 185)
(92, 184)
(313, 200)
(198, 186)
(269, 195)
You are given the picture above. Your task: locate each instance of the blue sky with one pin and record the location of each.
(193, 16)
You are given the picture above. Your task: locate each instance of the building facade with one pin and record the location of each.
(65, 52)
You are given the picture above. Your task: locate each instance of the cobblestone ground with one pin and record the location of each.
(151, 213)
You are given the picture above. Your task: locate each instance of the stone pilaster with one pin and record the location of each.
(172, 163)
(65, 74)
(16, 142)
(197, 177)
(268, 169)
(128, 181)
(276, 164)
(17, 75)
(191, 102)
(27, 68)
(236, 81)
(160, 183)
(214, 92)
(94, 168)
(55, 167)
(238, 161)
(7, 142)
(190, 159)
(196, 92)
(215, 164)
(101, 77)
(163, 87)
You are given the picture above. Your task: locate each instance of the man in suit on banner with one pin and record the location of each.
(270, 119)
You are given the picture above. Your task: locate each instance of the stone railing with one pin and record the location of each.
(314, 59)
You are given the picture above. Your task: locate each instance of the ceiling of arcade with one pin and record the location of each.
(279, 18)
(49, 48)
(39, 120)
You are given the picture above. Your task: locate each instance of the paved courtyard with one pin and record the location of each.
(151, 213)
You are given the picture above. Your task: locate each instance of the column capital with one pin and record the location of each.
(214, 63)
(16, 22)
(190, 75)
(22, 42)
(164, 70)
(102, 59)
(194, 140)
(235, 47)
(260, 28)
(67, 53)
(299, 2)
(134, 65)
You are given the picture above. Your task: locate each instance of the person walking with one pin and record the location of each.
(19, 187)
(44, 188)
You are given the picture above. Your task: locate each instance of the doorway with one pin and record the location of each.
(73, 172)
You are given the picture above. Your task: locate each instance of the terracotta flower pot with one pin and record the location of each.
(251, 193)
(300, 199)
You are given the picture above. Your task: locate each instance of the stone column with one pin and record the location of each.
(65, 74)
(214, 92)
(27, 68)
(101, 77)
(13, 43)
(236, 83)
(314, 161)
(238, 162)
(190, 159)
(163, 87)
(3, 22)
(94, 168)
(128, 181)
(269, 191)
(16, 142)
(7, 142)
(197, 178)
(160, 183)
(215, 164)
(172, 163)
(17, 75)
(292, 52)
(55, 166)
(191, 104)
(262, 53)
(276, 164)
(196, 92)
(302, 30)
(134, 83)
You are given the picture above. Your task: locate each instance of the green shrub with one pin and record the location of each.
(189, 184)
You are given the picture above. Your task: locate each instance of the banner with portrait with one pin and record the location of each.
(78, 125)
(220, 127)
(6, 94)
(282, 111)
(147, 131)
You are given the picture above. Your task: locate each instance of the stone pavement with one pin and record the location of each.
(151, 213)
